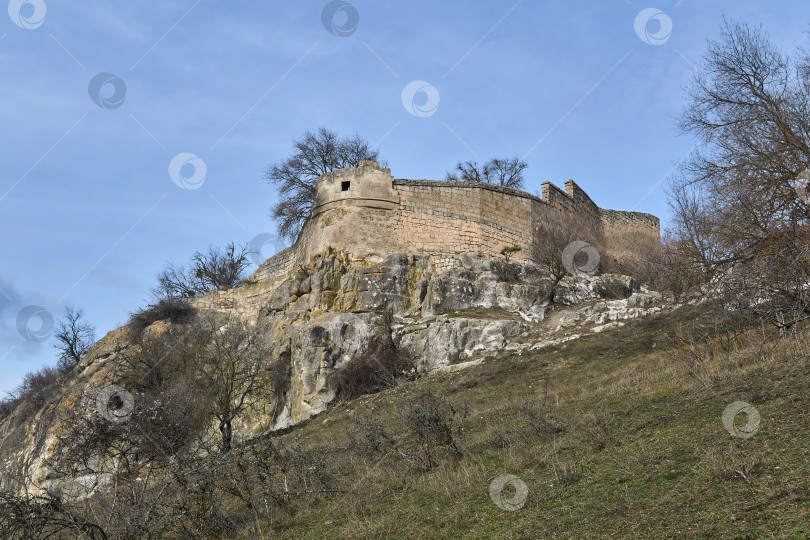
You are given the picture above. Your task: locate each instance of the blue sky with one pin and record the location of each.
(90, 212)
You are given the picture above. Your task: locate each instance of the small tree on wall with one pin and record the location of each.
(508, 251)
(217, 268)
(507, 172)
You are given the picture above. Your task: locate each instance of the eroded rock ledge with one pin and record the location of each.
(466, 309)
(325, 312)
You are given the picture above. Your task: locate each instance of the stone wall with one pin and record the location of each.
(627, 233)
(279, 264)
(456, 217)
(365, 212)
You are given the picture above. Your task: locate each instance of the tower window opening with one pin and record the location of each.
(344, 186)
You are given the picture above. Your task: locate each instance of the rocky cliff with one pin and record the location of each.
(469, 309)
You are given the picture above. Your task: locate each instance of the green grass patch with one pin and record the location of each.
(618, 434)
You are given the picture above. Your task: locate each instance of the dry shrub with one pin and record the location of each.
(596, 429)
(262, 481)
(379, 365)
(25, 517)
(36, 389)
(372, 437)
(7, 407)
(566, 474)
(175, 310)
(423, 433)
(204, 495)
(556, 229)
(498, 438)
(661, 266)
(724, 467)
(162, 423)
(535, 413)
(534, 410)
(507, 271)
(615, 288)
(715, 332)
(156, 359)
(433, 424)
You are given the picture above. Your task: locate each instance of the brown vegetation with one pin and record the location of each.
(379, 365)
(739, 217)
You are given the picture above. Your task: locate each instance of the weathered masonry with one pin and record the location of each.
(366, 212)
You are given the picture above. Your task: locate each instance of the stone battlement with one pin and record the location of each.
(365, 211)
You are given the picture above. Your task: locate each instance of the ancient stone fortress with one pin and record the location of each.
(367, 213)
(422, 251)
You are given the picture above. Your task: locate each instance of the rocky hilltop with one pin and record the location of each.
(411, 262)
(322, 313)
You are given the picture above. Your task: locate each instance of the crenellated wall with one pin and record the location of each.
(366, 212)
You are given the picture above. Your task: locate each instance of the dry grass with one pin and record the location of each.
(619, 434)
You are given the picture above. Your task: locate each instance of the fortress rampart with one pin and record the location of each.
(365, 211)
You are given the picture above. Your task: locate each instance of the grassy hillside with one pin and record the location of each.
(617, 434)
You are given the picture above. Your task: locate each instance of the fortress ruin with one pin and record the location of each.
(366, 212)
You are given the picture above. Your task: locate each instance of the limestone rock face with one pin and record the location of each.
(606, 313)
(325, 313)
(316, 348)
(450, 312)
(574, 290)
(446, 341)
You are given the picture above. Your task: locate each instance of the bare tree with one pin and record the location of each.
(296, 177)
(160, 470)
(554, 231)
(507, 172)
(176, 282)
(218, 268)
(153, 455)
(231, 369)
(692, 218)
(74, 336)
(737, 209)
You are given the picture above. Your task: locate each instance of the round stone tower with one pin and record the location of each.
(368, 185)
